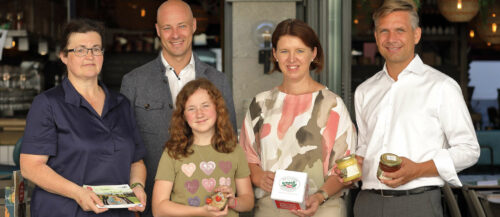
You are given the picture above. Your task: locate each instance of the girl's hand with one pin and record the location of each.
(88, 200)
(214, 211)
(228, 192)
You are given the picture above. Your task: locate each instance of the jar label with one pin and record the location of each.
(351, 170)
(380, 175)
(391, 158)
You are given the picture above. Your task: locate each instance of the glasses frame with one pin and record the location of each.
(74, 50)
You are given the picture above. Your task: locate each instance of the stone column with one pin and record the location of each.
(248, 75)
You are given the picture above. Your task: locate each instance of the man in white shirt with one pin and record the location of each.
(416, 112)
(153, 87)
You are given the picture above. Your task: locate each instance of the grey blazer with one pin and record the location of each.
(149, 93)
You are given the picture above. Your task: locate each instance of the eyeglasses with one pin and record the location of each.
(83, 51)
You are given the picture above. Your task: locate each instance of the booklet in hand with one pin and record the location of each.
(115, 196)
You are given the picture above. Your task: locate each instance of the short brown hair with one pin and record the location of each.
(80, 26)
(300, 29)
(181, 135)
(390, 6)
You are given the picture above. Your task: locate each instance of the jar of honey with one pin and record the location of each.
(349, 168)
(388, 163)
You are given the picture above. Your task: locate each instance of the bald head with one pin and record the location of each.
(173, 6)
(175, 26)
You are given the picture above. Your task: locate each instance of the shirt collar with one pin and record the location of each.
(415, 66)
(168, 66)
(72, 96)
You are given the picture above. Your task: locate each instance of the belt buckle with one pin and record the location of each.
(382, 193)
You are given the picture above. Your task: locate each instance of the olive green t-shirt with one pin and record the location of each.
(195, 177)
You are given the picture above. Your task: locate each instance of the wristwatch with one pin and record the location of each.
(324, 194)
(135, 184)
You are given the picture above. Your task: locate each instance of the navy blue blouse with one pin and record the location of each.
(82, 146)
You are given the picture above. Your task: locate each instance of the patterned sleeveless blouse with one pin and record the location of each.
(305, 133)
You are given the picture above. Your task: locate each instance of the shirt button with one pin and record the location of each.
(146, 106)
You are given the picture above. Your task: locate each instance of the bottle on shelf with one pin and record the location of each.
(35, 77)
(9, 19)
(20, 21)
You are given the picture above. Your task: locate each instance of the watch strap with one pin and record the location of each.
(324, 194)
(135, 184)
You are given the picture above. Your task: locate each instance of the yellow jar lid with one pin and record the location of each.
(346, 158)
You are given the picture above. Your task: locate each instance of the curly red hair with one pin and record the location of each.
(181, 134)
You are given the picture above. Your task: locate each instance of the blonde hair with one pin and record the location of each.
(390, 6)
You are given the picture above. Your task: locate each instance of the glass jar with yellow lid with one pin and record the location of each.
(388, 163)
(349, 168)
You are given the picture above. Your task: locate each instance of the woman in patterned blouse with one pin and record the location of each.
(299, 125)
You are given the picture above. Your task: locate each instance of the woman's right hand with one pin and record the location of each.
(260, 178)
(88, 200)
(266, 181)
(214, 211)
(338, 174)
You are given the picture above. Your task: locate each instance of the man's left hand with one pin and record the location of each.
(409, 171)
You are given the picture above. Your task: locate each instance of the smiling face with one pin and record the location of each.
(396, 39)
(85, 67)
(294, 57)
(200, 113)
(175, 26)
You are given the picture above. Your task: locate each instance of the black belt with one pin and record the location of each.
(397, 193)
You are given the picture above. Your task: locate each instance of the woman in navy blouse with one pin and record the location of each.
(81, 133)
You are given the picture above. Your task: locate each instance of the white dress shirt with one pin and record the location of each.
(422, 116)
(177, 81)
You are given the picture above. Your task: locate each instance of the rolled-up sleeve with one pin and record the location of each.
(247, 140)
(345, 139)
(463, 150)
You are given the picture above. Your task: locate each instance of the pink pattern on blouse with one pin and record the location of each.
(292, 106)
(329, 135)
(265, 130)
(246, 144)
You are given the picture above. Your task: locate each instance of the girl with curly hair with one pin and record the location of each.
(200, 158)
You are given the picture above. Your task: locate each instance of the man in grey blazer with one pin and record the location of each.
(153, 87)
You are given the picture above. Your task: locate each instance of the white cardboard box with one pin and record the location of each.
(289, 189)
